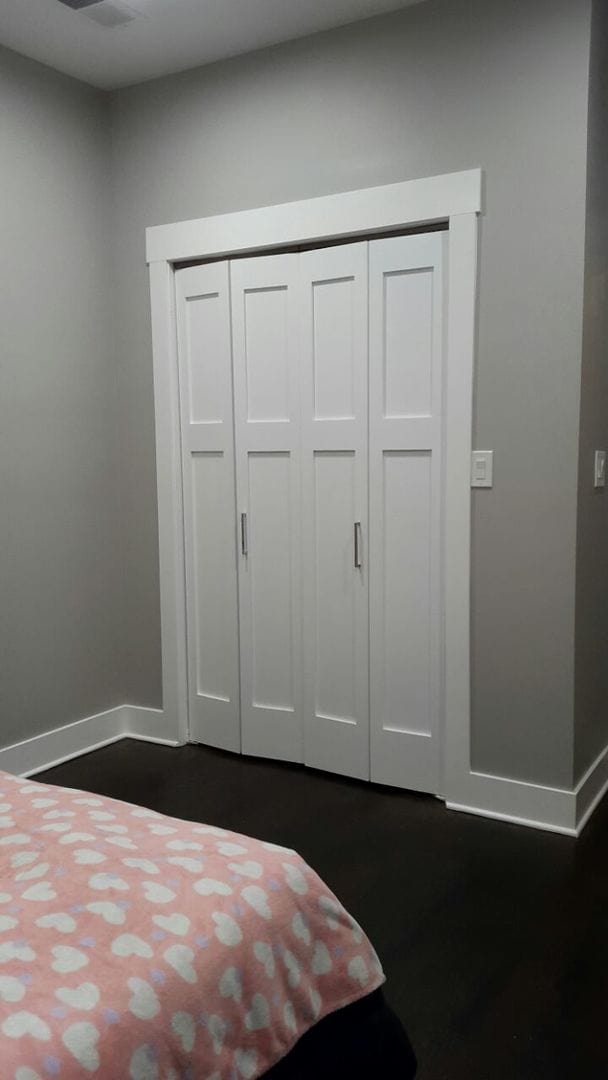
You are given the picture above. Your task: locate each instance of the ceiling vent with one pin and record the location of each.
(106, 13)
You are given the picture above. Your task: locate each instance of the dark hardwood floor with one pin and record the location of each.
(494, 938)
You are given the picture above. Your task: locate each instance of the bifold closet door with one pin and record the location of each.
(205, 376)
(267, 428)
(406, 476)
(333, 334)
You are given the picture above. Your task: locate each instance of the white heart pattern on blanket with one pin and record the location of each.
(7, 923)
(230, 984)
(144, 1003)
(16, 950)
(226, 848)
(289, 1017)
(316, 1002)
(300, 928)
(180, 958)
(86, 996)
(227, 930)
(263, 952)
(217, 1029)
(57, 920)
(26, 1023)
(321, 960)
(295, 879)
(250, 869)
(39, 870)
(246, 1062)
(68, 959)
(88, 857)
(131, 945)
(121, 842)
(257, 898)
(146, 865)
(109, 911)
(293, 968)
(182, 1024)
(173, 924)
(143, 1064)
(258, 1016)
(23, 858)
(11, 989)
(184, 845)
(108, 881)
(211, 887)
(357, 969)
(157, 894)
(81, 1040)
(331, 910)
(40, 892)
(193, 866)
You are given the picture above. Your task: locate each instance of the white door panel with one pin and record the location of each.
(206, 401)
(333, 333)
(406, 476)
(265, 342)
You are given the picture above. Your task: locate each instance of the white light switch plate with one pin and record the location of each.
(482, 468)
(599, 474)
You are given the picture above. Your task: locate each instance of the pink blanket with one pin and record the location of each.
(137, 946)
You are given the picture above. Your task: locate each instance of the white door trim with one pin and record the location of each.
(455, 198)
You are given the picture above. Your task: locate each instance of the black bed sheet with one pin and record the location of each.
(364, 1041)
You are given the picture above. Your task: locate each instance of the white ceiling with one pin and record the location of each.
(166, 35)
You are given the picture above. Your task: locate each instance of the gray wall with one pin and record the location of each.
(452, 84)
(61, 567)
(591, 727)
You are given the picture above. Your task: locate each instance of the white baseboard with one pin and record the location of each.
(519, 802)
(539, 807)
(534, 805)
(52, 748)
(148, 725)
(591, 789)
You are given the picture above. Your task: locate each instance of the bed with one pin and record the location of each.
(133, 945)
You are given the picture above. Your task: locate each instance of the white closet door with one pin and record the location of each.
(406, 359)
(335, 539)
(267, 416)
(205, 375)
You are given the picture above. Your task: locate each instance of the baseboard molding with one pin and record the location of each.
(147, 725)
(556, 810)
(515, 801)
(518, 802)
(52, 748)
(591, 789)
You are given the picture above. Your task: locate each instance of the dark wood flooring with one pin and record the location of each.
(494, 938)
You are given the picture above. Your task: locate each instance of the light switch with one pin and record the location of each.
(482, 468)
(599, 474)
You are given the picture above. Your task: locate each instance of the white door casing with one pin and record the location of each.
(267, 430)
(205, 368)
(333, 334)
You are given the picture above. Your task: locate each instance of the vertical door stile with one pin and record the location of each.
(333, 334)
(207, 430)
(267, 440)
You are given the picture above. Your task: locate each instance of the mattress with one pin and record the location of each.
(140, 946)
